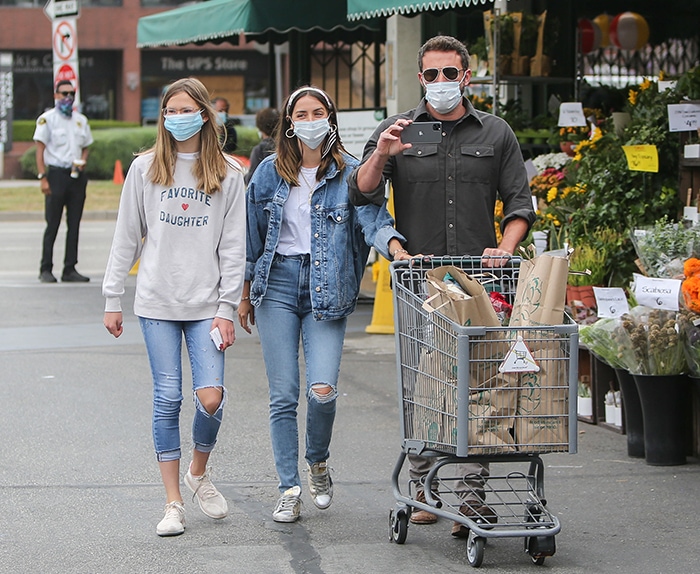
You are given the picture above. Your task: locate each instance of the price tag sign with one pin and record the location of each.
(642, 157)
(571, 114)
(683, 117)
(611, 301)
(656, 293)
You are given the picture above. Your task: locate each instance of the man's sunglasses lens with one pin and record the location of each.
(450, 72)
(66, 94)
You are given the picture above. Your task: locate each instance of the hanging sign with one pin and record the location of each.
(642, 157)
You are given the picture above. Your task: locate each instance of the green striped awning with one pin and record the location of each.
(259, 20)
(359, 9)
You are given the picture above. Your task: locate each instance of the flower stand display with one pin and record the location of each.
(664, 399)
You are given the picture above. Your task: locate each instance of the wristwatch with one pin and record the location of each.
(40, 175)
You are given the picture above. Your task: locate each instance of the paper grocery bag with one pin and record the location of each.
(542, 421)
(541, 292)
(471, 308)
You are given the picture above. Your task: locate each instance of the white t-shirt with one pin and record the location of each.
(295, 231)
(64, 137)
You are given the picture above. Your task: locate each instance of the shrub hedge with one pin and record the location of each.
(112, 144)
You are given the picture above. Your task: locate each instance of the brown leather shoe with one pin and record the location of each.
(422, 516)
(482, 514)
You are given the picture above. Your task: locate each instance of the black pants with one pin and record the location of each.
(68, 192)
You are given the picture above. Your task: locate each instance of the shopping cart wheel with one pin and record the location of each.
(398, 526)
(538, 547)
(475, 549)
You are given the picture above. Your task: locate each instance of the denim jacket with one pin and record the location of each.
(340, 237)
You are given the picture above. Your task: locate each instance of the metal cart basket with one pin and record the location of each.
(461, 402)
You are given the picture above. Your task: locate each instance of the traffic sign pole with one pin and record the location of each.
(64, 39)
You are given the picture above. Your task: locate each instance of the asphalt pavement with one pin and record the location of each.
(80, 489)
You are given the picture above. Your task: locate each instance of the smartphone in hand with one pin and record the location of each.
(215, 335)
(422, 132)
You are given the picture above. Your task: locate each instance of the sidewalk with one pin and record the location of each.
(81, 491)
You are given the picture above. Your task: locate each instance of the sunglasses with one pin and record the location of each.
(451, 73)
(66, 94)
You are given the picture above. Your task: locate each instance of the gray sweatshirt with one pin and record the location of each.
(191, 245)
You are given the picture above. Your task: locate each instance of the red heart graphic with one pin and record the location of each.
(185, 206)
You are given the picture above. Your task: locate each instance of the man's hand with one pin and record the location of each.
(44, 185)
(389, 142)
(495, 257)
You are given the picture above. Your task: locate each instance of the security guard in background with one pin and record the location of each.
(62, 138)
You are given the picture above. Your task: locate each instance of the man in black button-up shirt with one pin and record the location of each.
(444, 198)
(444, 194)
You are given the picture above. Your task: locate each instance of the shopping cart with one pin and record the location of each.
(465, 398)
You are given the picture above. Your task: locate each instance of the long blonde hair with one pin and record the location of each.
(211, 168)
(288, 161)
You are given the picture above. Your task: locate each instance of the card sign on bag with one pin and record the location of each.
(610, 302)
(519, 359)
(656, 293)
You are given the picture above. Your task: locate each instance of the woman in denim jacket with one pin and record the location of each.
(306, 253)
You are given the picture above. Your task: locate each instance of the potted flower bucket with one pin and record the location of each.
(569, 148)
(664, 399)
(634, 421)
(585, 406)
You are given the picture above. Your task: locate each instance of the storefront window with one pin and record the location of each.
(33, 80)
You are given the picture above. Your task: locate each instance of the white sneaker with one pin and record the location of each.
(320, 484)
(173, 522)
(210, 500)
(288, 506)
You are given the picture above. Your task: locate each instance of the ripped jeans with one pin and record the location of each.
(164, 345)
(283, 317)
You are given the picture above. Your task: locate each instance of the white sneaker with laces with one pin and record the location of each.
(320, 484)
(210, 500)
(173, 522)
(288, 506)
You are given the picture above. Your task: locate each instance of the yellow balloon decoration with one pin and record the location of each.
(603, 22)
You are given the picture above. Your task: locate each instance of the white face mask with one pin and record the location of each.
(312, 133)
(443, 96)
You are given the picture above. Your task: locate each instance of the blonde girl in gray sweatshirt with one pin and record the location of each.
(182, 215)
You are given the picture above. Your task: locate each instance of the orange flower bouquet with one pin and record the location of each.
(689, 319)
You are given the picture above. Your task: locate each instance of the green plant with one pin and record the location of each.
(513, 113)
(584, 390)
(109, 146)
(528, 35)
(688, 84)
(614, 197)
(23, 130)
(584, 259)
(479, 49)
